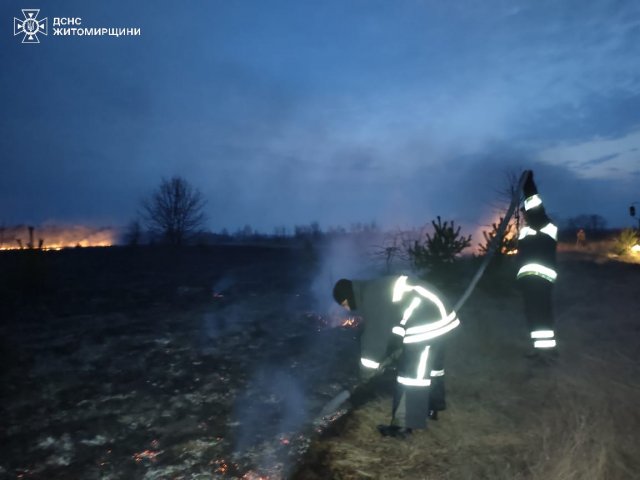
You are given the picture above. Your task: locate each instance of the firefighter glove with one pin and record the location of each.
(530, 186)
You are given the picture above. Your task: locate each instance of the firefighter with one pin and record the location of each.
(412, 314)
(537, 272)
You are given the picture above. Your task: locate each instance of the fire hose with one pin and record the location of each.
(331, 407)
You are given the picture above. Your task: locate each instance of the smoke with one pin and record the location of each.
(231, 320)
(293, 363)
(223, 284)
(274, 406)
(349, 257)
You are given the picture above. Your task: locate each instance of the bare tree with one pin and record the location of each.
(133, 234)
(505, 194)
(395, 246)
(174, 211)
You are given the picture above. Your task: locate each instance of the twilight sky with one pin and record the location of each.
(288, 112)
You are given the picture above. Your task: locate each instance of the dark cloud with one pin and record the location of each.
(340, 112)
(611, 115)
(599, 160)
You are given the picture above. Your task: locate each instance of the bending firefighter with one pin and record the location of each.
(415, 316)
(537, 270)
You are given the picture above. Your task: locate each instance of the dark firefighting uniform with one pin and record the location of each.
(416, 313)
(537, 269)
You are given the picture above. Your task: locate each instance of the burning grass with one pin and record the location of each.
(53, 237)
(600, 251)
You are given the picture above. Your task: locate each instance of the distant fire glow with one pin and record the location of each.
(487, 226)
(55, 237)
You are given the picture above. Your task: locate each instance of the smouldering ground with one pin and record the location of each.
(508, 418)
(170, 395)
(213, 382)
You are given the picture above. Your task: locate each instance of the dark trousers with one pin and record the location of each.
(411, 403)
(537, 293)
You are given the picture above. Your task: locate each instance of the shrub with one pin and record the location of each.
(623, 242)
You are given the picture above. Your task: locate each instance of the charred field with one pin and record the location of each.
(210, 363)
(146, 363)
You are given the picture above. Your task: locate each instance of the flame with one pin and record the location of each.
(486, 226)
(146, 455)
(635, 248)
(224, 467)
(55, 237)
(334, 319)
(350, 322)
(221, 466)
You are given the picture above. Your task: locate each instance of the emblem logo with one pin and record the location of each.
(30, 26)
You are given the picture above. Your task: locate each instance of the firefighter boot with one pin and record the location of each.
(394, 431)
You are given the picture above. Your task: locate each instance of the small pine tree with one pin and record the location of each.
(499, 275)
(441, 249)
(508, 242)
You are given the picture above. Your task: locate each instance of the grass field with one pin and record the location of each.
(507, 417)
(212, 363)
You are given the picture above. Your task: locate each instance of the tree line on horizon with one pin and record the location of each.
(174, 214)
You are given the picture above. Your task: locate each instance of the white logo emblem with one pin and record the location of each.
(30, 26)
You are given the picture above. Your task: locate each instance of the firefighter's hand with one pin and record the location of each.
(529, 187)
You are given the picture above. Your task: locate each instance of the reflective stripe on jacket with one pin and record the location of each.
(393, 305)
(537, 242)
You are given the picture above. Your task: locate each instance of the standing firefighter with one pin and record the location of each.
(537, 270)
(416, 313)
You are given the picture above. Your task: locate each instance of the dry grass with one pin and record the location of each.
(598, 251)
(508, 419)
